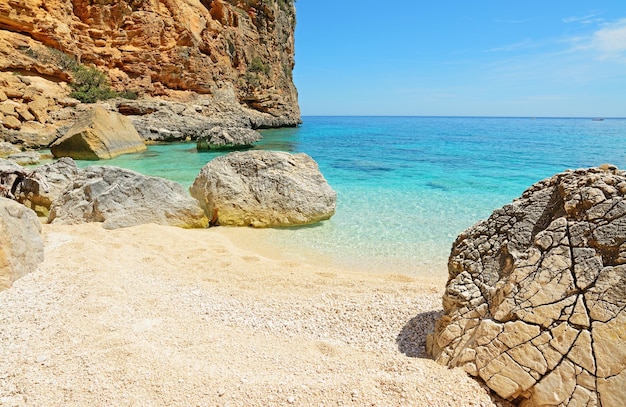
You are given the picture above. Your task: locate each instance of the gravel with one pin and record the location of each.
(160, 316)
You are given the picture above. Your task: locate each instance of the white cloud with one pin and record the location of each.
(609, 42)
(588, 19)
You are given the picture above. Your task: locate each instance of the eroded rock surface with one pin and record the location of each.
(536, 297)
(264, 189)
(159, 47)
(121, 198)
(21, 244)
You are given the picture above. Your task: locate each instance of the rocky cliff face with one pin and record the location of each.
(162, 47)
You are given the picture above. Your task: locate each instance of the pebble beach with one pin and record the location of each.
(160, 316)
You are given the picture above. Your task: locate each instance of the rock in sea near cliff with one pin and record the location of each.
(224, 138)
(264, 189)
(535, 303)
(98, 134)
(121, 198)
(21, 244)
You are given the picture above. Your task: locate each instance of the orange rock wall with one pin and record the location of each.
(157, 47)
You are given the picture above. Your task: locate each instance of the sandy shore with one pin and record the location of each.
(160, 316)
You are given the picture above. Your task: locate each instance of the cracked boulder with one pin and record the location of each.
(535, 303)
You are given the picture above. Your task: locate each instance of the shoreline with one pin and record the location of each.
(264, 243)
(156, 315)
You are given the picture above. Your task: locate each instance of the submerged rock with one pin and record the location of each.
(21, 244)
(99, 134)
(535, 303)
(224, 138)
(121, 198)
(264, 189)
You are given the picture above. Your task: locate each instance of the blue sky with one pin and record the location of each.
(465, 58)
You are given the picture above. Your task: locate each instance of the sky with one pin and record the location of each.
(550, 58)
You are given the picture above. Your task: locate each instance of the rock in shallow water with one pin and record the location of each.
(99, 134)
(121, 198)
(223, 138)
(535, 303)
(264, 189)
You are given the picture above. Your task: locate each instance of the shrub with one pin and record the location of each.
(257, 66)
(90, 85)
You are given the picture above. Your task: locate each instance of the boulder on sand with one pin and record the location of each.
(99, 134)
(121, 198)
(264, 189)
(21, 244)
(535, 303)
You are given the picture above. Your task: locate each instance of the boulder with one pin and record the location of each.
(11, 122)
(98, 134)
(264, 189)
(224, 138)
(121, 198)
(13, 179)
(56, 176)
(535, 303)
(26, 158)
(21, 244)
(6, 149)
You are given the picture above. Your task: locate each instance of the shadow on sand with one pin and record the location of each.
(412, 338)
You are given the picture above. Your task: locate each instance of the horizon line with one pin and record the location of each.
(470, 116)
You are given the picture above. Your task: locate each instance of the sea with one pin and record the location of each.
(407, 186)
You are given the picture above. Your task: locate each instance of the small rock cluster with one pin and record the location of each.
(535, 303)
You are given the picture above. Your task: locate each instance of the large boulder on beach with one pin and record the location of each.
(224, 138)
(535, 303)
(99, 134)
(264, 189)
(119, 197)
(21, 244)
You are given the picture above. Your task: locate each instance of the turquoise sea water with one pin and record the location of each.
(407, 186)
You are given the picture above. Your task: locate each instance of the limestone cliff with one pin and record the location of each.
(162, 47)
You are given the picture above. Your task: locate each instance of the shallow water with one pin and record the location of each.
(407, 186)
